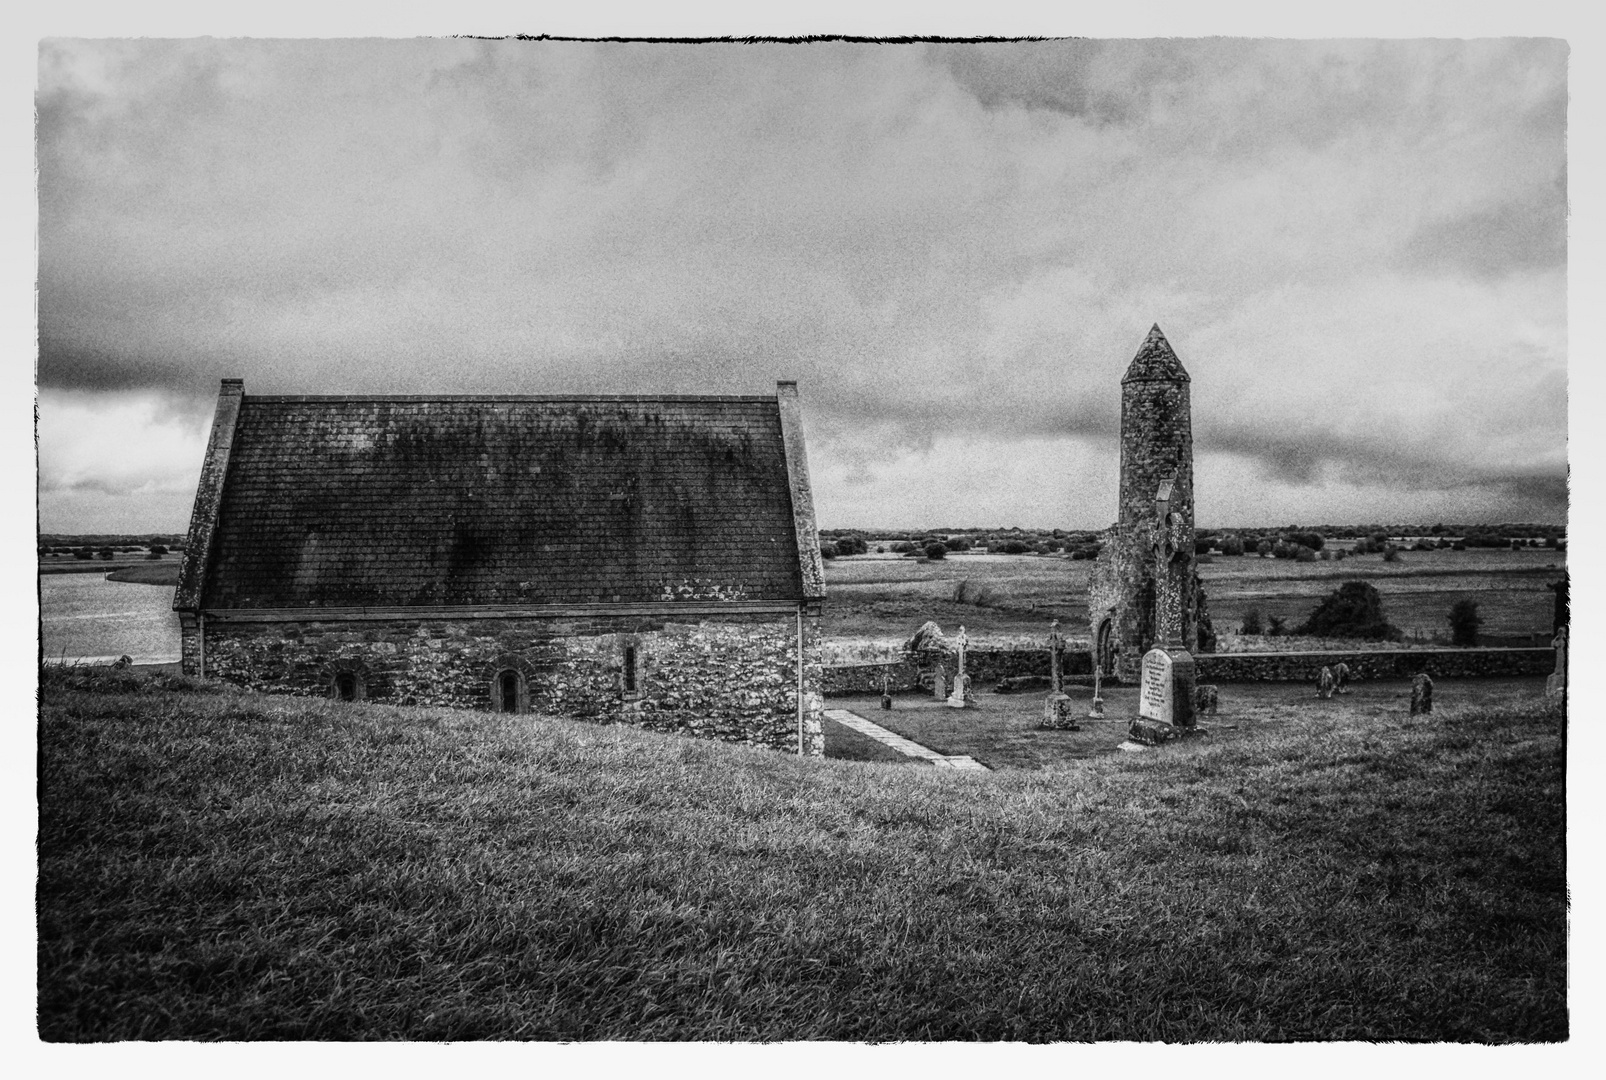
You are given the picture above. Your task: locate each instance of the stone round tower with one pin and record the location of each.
(1156, 432)
(1144, 589)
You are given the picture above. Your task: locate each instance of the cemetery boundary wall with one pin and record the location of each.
(991, 665)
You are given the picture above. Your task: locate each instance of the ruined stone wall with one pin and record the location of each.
(1122, 582)
(732, 679)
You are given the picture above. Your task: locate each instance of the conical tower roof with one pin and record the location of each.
(1155, 361)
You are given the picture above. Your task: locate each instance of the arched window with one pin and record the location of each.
(508, 691)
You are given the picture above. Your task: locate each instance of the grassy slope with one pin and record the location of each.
(238, 866)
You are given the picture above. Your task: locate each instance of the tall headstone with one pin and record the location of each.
(1056, 644)
(939, 682)
(1556, 684)
(1341, 679)
(1156, 691)
(960, 698)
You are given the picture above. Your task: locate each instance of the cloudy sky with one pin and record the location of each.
(1357, 248)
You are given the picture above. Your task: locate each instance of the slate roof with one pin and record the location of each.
(1155, 361)
(447, 501)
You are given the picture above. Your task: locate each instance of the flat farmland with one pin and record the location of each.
(885, 598)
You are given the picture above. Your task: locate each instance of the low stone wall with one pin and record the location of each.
(1374, 664)
(732, 679)
(844, 679)
(986, 666)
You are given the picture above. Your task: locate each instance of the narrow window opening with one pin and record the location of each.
(630, 669)
(346, 686)
(510, 691)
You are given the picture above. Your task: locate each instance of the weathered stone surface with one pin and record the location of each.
(1556, 683)
(1375, 664)
(961, 697)
(1341, 678)
(1021, 683)
(1325, 682)
(735, 681)
(1421, 694)
(1152, 732)
(1156, 450)
(1155, 688)
(1058, 714)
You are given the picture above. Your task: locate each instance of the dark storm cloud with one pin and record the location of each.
(939, 242)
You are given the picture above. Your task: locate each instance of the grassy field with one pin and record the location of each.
(222, 865)
(1004, 597)
(123, 566)
(1001, 730)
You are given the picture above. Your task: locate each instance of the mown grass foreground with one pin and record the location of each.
(220, 865)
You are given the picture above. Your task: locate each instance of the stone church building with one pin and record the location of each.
(1154, 534)
(646, 560)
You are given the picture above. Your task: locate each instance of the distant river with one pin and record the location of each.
(85, 617)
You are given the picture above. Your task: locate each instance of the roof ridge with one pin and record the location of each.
(770, 398)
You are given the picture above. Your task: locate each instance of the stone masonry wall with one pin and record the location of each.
(734, 679)
(991, 665)
(1375, 664)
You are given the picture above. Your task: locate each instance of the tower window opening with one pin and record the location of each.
(630, 669)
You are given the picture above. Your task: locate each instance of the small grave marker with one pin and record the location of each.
(1421, 694)
(1325, 682)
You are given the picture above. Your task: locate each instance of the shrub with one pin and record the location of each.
(1353, 610)
(1276, 625)
(1338, 553)
(936, 550)
(105, 553)
(1464, 622)
(1550, 541)
(880, 549)
(1231, 545)
(827, 550)
(959, 543)
(1013, 547)
(158, 549)
(1326, 555)
(1459, 545)
(1252, 623)
(902, 547)
(83, 553)
(1391, 553)
(1263, 548)
(1304, 554)
(1203, 544)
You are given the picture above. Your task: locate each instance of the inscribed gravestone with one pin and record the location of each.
(1154, 693)
(939, 682)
